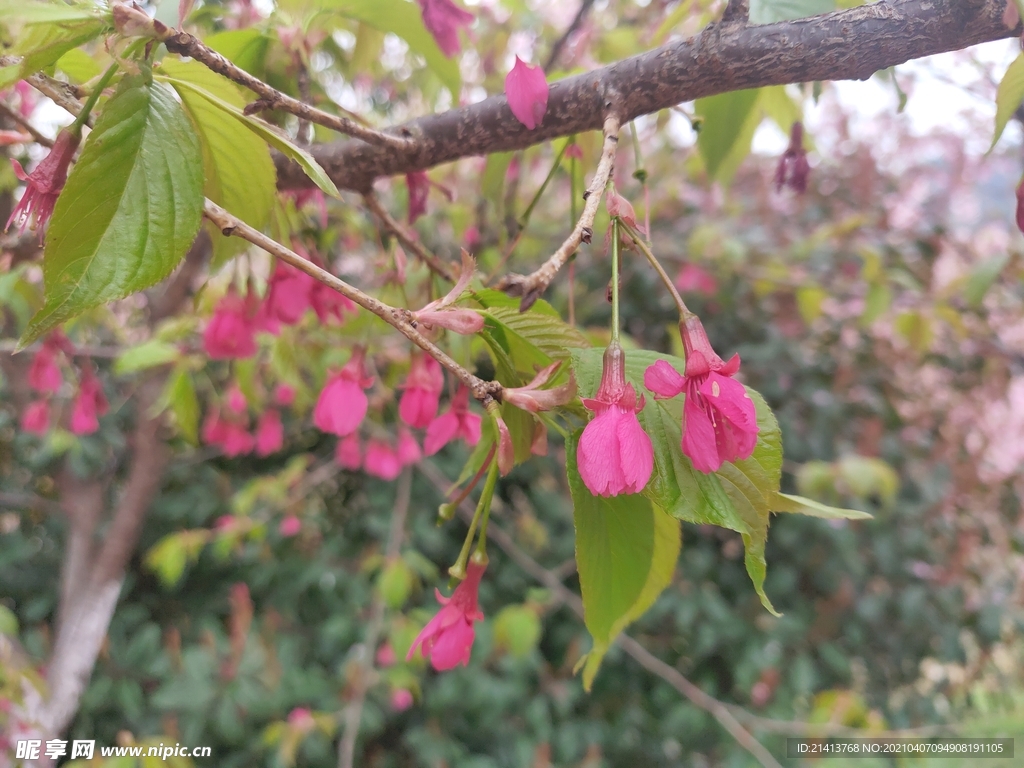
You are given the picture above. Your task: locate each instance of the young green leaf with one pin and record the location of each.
(263, 130)
(245, 47)
(42, 44)
(729, 122)
(626, 552)
(147, 355)
(1009, 96)
(130, 209)
(771, 11)
(787, 502)
(240, 174)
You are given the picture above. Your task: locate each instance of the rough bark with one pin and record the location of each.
(845, 45)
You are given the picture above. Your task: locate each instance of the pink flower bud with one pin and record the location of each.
(348, 453)
(463, 321)
(381, 460)
(289, 526)
(693, 279)
(401, 699)
(90, 404)
(44, 374)
(45, 183)
(132, 21)
(342, 404)
(36, 418)
(386, 656)
(422, 395)
(793, 168)
(284, 394)
(533, 399)
(526, 89)
(506, 450)
(269, 433)
(456, 422)
(237, 440)
(231, 332)
(442, 18)
(408, 449)
(419, 187)
(236, 400)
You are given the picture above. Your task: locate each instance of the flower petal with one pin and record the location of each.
(664, 380)
(699, 442)
(597, 457)
(636, 453)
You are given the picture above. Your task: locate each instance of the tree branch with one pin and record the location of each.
(406, 238)
(850, 44)
(556, 49)
(400, 319)
(184, 44)
(531, 287)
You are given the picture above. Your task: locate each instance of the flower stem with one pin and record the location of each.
(640, 174)
(615, 278)
(485, 499)
(93, 98)
(483, 509)
(573, 216)
(684, 312)
(525, 218)
(451, 506)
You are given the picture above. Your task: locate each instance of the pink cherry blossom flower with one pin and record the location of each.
(237, 440)
(719, 418)
(36, 418)
(44, 374)
(328, 303)
(793, 168)
(422, 395)
(342, 404)
(526, 89)
(440, 313)
(236, 400)
(269, 433)
(615, 455)
(90, 404)
(408, 449)
(381, 460)
(456, 422)
(45, 182)
(693, 279)
(288, 294)
(533, 399)
(231, 332)
(348, 454)
(214, 428)
(442, 18)
(447, 640)
(289, 526)
(386, 656)
(284, 394)
(401, 699)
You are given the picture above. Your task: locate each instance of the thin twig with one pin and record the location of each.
(230, 225)
(406, 238)
(184, 44)
(713, 706)
(556, 49)
(12, 114)
(354, 710)
(530, 287)
(62, 94)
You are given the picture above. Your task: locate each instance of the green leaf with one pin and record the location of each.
(727, 128)
(130, 209)
(79, 66)
(877, 301)
(404, 19)
(982, 276)
(771, 11)
(268, 134)
(41, 45)
(16, 13)
(786, 502)
(780, 107)
(240, 174)
(626, 551)
(181, 395)
(1009, 96)
(147, 355)
(737, 497)
(168, 558)
(245, 47)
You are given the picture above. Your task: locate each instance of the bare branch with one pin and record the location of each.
(14, 116)
(406, 238)
(531, 287)
(184, 44)
(849, 44)
(556, 49)
(400, 319)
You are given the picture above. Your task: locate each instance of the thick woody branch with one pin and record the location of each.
(850, 44)
(407, 239)
(400, 319)
(531, 287)
(184, 44)
(737, 10)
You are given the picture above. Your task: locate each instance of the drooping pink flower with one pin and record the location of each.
(526, 89)
(441, 313)
(236, 400)
(289, 526)
(381, 460)
(44, 374)
(447, 640)
(231, 332)
(45, 183)
(793, 168)
(615, 455)
(619, 206)
(269, 433)
(36, 418)
(90, 404)
(237, 440)
(310, 195)
(328, 303)
(348, 453)
(442, 18)
(284, 394)
(422, 391)
(401, 699)
(288, 294)
(457, 421)
(342, 404)
(386, 656)
(408, 449)
(719, 418)
(533, 399)
(573, 151)
(301, 719)
(693, 279)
